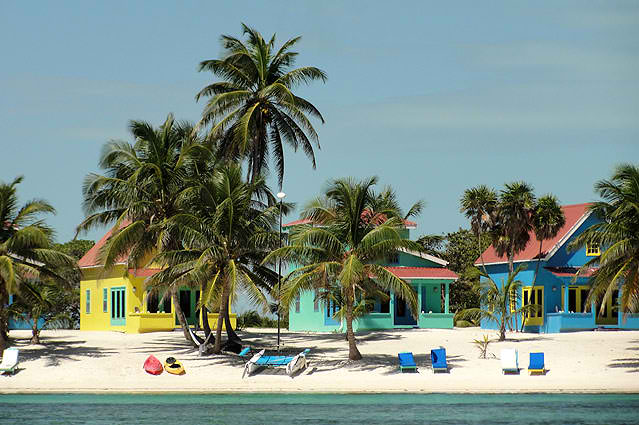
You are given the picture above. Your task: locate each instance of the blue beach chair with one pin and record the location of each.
(438, 360)
(407, 362)
(536, 364)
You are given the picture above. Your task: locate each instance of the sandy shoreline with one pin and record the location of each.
(111, 362)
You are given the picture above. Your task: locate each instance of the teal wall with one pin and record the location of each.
(307, 319)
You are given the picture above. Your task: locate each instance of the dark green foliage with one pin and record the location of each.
(252, 319)
(461, 251)
(75, 248)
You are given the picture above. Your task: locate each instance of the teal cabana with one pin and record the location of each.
(426, 273)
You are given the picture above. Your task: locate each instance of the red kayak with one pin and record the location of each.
(153, 365)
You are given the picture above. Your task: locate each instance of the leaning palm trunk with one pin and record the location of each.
(180, 315)
(230, 332)
(224, 302)
(4, 328)
(353, 352)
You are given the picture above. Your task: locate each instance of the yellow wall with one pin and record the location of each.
(137, 319)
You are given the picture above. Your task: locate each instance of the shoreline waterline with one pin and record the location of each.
(474, 391)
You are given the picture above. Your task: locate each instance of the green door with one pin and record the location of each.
(118, 306)
(188, 306)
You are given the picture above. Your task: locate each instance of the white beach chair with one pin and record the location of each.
(509, 361)
(9, 360)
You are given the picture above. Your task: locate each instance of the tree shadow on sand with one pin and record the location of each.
(56, 352)
(631, 364)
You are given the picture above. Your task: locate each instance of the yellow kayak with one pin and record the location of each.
(174, 366)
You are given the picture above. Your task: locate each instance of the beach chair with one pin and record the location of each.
(536, 364)
(509, 361)
(438, 360)
(244, 352)
(291, 363)
(407, 362)
(9, 361)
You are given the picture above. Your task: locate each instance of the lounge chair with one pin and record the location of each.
(244, 352)
(536, 364)
(509, 361)
(438, 360)
(291, 363)
(9, 360)
(407, 362)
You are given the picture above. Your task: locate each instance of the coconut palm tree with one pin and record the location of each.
(139, 189)
(26, 249)
(341, 251)
(513, 223)
(227, 232)
(547, 220)
(41, 301)
(618, 236)
(496, 302)
(479, 205)
(253, 110)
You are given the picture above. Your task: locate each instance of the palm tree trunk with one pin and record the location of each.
(353, 352)
(538, 261)
(511, 268)
(230, 332)
(481, 251)
(4, 326)
(502, 330)
(180, 316)
(523, 321)
(224, 302)
(35, 332)
(205, 313)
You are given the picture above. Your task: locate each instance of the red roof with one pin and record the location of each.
(573, 214)
(422, 272)
(143, 272)
(569, 271)
(90, 259)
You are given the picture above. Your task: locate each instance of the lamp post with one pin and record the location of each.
(280, 196)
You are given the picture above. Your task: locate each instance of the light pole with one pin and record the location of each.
(281, 196)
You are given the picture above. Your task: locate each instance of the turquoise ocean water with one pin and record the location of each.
(237, 409)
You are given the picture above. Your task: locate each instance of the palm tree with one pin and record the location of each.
(618, 233)
(41, 301)
(138, 192)
(227, 232)
(26, 249)
(511, 230)
(479, 205)
(496, 302)
(340, 252)
(547, 221)
(253, 109)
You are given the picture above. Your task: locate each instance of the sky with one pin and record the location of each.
(432, 97)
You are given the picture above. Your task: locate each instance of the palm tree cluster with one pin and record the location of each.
(509, 218)
(351, 230)
(618, 236)
(26, 251)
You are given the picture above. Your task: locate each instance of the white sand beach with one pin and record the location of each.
(74, 361)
